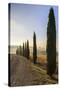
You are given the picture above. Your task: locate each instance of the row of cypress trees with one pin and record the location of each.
(51, 45)
(24, 50)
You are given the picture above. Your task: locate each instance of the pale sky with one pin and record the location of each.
(26, 19)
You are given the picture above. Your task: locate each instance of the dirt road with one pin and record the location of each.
(23, 72)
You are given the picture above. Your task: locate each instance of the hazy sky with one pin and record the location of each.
(26, 19)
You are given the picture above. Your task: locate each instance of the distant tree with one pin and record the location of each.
(17, 51)
(20, 50)
(34, 48)
(23, 49)
(51, 43)
(28, 51)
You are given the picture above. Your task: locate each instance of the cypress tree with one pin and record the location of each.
(23, 49)
(28, 51)
(51, 43)
(20, 50)
(34, 48)
(17, 51)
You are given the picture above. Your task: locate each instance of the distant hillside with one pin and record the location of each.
(39, 51)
